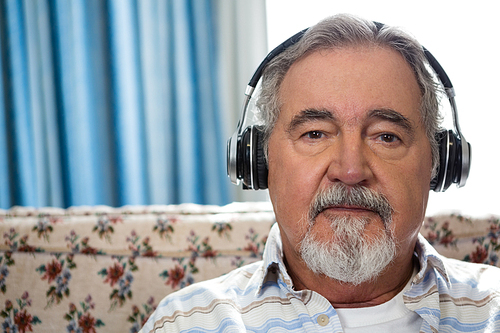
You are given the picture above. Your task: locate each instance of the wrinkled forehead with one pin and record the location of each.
(350, 80)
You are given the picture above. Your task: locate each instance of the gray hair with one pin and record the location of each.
(343, 31)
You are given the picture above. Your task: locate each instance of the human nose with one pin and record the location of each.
(350, 161)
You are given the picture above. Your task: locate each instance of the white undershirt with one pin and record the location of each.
(391, 316)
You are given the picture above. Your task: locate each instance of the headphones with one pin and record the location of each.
(245, 153)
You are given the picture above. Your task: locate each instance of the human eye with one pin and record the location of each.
(314, 135)
(389, 138)
(313, 141)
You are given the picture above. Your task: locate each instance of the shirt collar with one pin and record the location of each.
(424, 295)
(273, 264)
(428, 259)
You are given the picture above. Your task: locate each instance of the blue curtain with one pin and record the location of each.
(111, 102)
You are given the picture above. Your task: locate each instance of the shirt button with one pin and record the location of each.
(323, 320)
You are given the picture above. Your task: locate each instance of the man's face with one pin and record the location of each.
(349, 116)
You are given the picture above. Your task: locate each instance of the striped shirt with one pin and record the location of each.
(449, 295)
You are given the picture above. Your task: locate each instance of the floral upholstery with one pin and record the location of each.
(102, 269)
(455, 236)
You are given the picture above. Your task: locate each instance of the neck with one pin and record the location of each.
(346, 295)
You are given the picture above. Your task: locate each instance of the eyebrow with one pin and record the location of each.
(309, 115)
(395, 118)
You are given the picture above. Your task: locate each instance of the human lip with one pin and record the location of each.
(349, 209)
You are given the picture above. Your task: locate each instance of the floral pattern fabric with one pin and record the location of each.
(103, 269)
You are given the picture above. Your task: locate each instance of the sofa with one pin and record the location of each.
(104, 269)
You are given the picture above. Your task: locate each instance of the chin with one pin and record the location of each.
(346, 253)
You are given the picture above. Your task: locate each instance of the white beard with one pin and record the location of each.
(350, 256)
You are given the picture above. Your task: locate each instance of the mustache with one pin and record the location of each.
(359, 196)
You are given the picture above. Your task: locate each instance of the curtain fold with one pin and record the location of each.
(112, 102)
(19, 134)
(127, 102)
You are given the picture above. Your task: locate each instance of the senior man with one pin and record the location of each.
(349, 141)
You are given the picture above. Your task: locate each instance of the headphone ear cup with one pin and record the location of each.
(260, 165)
(460, 168)
(245, 158)
(448, 161)
(251, 166)
(451, 170)
(437, 181)
(463, 162)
